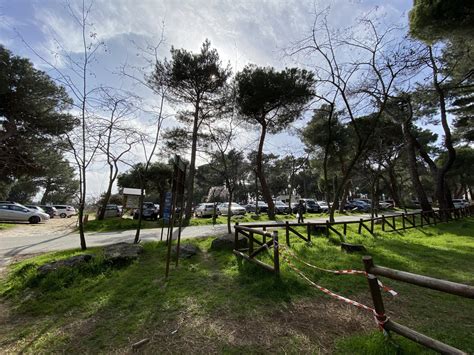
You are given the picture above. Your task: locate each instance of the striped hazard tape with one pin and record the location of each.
(339, 272)
(380, 319)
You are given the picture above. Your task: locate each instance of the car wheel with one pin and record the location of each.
(62, 215)
(34, 219)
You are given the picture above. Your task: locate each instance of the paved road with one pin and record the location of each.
(58, 235)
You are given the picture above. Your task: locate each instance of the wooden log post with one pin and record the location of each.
(372, 226)
(276, 253)
(287, 231)
(345, 228)
(236, 235)
(375, 291)
(360, 225)
(327, 229)
(383, 223)
(250, 243)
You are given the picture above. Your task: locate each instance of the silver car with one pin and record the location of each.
(235, 209)
(14, 212)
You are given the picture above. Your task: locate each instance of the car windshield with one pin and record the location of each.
(310, 202)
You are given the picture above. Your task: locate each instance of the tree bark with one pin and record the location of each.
(192, 164)
(412, 166)
(261, 176)
(47, 189)
(393, 186)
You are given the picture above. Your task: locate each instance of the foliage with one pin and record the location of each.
(32, 116)
(432, 20)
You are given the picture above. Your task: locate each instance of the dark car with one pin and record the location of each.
(310, 206)
(149, 211)
(281, 207)
(358, 205)
(51, 210)
(252, 207)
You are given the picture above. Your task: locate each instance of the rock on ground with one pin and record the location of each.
(73, 261)
(185, 250)
(226, 242)
(122, 252)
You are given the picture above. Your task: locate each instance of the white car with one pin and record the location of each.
(65, 211)
(235, 209)
(459, 203)
(324, 206)
(204, 210)
(13, 212)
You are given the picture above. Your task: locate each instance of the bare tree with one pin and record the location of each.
(360, 66)
(118, 136)
(74, 74)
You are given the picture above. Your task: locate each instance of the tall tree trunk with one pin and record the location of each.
(192, 165)
(229, 209)
(412, 166)
(261, 176)
(393, 186)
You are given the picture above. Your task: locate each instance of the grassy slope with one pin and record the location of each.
(214, 302)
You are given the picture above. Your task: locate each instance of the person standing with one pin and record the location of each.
(301, 211)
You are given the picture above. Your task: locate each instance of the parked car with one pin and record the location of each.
(460, 203)
(281, 207)
(149, 211)
(235, 209)
(324, 206)
(358, 205)
(111, 211)
(252, 207)
(310, 206)
(51, 210)
(204, 210)
(36, 208)
(65, 211)
(385, 205)
(11, 211)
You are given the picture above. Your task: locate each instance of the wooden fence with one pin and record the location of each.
(393, 222)
(251, 252)
(414, 279)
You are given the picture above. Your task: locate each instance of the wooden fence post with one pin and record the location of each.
(360, 225)
(327, 228)
(250, 243)
(276, 253)
(383, 223)
(287, 233)
(375, 290)
(236, 235)
(264, 237)
(403, 221)
(393, 220)
(345, 228)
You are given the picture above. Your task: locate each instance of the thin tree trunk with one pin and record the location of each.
(47, 190)
(192, 165)
(263, 181)
(229, 209)
(393, 185)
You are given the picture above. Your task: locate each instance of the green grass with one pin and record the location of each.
(4, 226)
(214, 302)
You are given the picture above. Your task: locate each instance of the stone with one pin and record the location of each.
(73, 261)
(122, 252)
(185, 251)
(226, 242)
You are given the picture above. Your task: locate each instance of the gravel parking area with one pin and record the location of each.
(52, 227)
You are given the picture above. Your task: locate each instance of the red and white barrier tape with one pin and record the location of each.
(341, 272)
(380, 319)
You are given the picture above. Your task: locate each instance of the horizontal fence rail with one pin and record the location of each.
(415, 279)
(389, 223)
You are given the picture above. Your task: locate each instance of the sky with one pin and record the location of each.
(243, 32)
